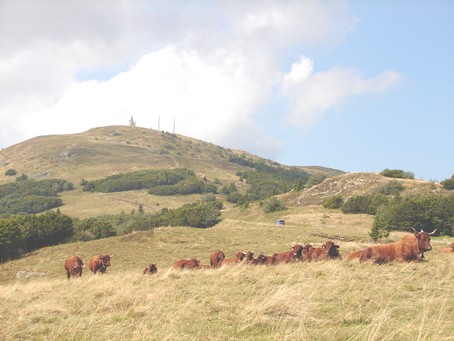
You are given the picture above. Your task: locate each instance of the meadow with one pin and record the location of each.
(327, 300)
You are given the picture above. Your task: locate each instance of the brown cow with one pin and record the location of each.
(150, 269)
(329, 250)
(407, 249)
(264, 260)
(74, 266)
(190, 263)
(449, 249)
(216, 259)
(354, 254)
(290, 256)
(249, 257)
(239, 257)
(332, 250)
(99, 263)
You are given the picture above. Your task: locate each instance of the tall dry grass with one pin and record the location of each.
(331, 300)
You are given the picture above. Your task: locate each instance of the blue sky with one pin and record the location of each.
(352, 85)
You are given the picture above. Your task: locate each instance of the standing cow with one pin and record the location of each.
(216, 259)
(99, 263)
(407, 249)
(74, 266)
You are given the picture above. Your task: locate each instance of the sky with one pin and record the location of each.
(355, 85)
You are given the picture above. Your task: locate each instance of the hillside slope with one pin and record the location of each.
(105, 151)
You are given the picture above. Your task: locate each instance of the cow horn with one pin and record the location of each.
(431, 233)
(414, 230)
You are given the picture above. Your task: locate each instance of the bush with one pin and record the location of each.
(448, 183)
(273, 205)
(357, 204)
(334, 202)
(420, 212)
(10, 172)
(391, 188)
(397, 173)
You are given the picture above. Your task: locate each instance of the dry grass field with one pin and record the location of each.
(329, 300)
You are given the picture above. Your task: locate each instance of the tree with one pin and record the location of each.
(448, 183)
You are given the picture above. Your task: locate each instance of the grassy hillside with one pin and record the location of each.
(101, 152)
(332, 300)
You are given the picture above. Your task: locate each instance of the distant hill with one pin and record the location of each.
(105, 151)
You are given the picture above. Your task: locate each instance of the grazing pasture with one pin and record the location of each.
(325, 300)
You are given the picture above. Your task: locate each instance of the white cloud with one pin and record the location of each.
(213, 66)
(299, 71)
(310, 97)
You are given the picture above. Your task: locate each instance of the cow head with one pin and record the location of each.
(423, 239)
(152, 268)
(240, 255)
(106, 260)
(261, 258)
(331, 249)
(249, 256)
(77, 270)
(297, 251)
(220, 256)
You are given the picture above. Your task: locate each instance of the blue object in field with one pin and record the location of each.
(280, 222)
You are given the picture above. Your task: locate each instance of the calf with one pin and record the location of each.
(150, 269)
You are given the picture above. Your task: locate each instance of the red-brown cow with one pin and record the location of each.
(290, 256)
(407, 249)
(263, 260)
(74, 266)
(240, 255)
(354, 254)
(150, 269)
(99, 263)
(216, 259)
(450, 249)
(332, 250)
(190, 263)
(328, 251)
(249, 257)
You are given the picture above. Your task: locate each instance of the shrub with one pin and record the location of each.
(10, 172)
(273, 205)
(391, 188)
(448, 183)
(334, 202)
(357, 204)
(397, 173)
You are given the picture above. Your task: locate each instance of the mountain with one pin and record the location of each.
(105, 151)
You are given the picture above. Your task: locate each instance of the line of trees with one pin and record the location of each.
(31, 196)
(24, 233)
(397, 212)
(21, 234)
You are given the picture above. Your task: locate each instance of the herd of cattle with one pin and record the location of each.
(409, 248)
